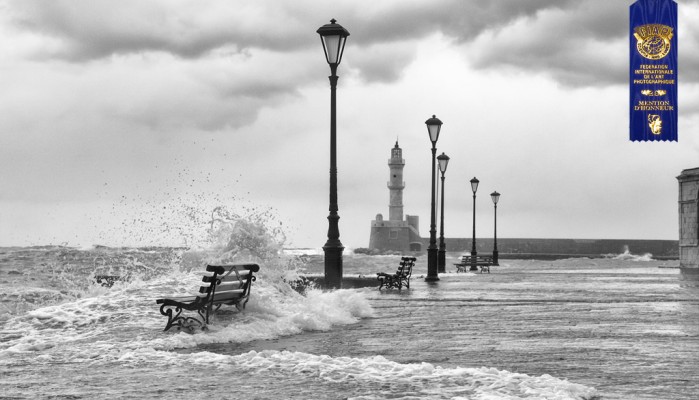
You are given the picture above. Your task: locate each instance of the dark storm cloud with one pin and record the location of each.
(459, 19)
(99, 28)
(583, 44)
(382, 62)
(380, 33)
(96, 29)
(577, 43)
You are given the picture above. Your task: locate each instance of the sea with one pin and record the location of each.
(621, 327)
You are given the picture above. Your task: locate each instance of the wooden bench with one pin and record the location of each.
(221, 285)
(401, 277)
(472, 262)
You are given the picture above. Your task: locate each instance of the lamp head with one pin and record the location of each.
(474, 184)
(333, 37)
(434, 125)
(443, 161)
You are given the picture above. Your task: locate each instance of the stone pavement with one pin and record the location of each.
(630, 332)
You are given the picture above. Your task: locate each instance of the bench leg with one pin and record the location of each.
(382, 281)
(181, 322)
(190, 324)
(390, 283)
(170, 318)
(394, 282)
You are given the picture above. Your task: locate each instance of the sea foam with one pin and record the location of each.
(417, 380)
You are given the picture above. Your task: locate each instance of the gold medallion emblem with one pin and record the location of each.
(653, 40)
(655, 124)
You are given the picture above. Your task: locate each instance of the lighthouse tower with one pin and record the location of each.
(396, 184)
(395, 234)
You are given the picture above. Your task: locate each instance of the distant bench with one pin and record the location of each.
(401, 277)
(483, 262)
(222, 285)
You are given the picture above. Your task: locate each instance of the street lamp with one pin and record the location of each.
(495, 196)
(333, 37)
(443, 161)
(474, 187)
(434, 125)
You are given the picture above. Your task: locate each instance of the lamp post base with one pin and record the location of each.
(432, 256)
(474, 267)
(442, 258)
(333, 266)
(495, 258)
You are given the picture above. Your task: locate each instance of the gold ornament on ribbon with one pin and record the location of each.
(655, 124)
(653, 40)
(647, 92)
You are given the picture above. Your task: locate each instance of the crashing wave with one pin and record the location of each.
(628, 256)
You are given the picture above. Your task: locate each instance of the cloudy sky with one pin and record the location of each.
(129, 122)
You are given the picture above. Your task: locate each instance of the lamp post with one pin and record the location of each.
(443, 161)
(333, 37)
(495, 196)
(434, 125)
(474, 187)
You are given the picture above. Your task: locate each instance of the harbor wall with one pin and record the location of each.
(510, 248)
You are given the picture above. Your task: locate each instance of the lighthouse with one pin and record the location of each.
(396, 184)
(397, 233)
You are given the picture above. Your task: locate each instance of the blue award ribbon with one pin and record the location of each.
(653, 70)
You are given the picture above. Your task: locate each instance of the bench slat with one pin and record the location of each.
(224, 286)
(220, 269)
(209, 280)
(228, 295)
(230, 286)
(242, 273)
(182, 299)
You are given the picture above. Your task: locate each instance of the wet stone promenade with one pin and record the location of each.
(629, 329)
